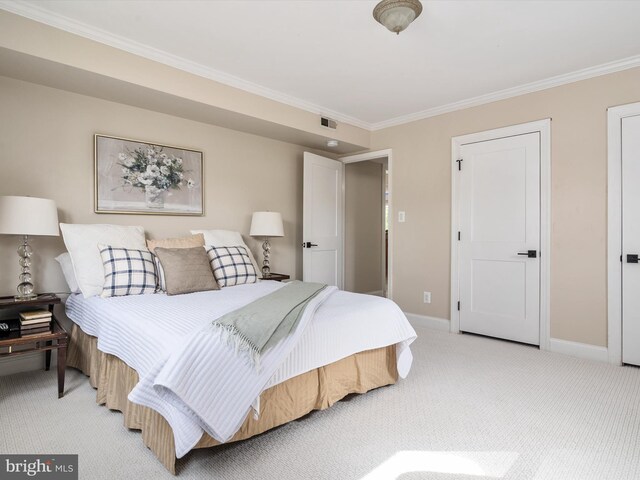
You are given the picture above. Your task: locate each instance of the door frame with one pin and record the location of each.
(614, 227)
(363, 157)
(543, 127)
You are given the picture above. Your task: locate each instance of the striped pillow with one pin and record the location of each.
(127, 271)
(231, 266)
(162, 283)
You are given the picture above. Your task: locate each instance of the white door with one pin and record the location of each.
(499, 246)
(630, 240)
(322, 220)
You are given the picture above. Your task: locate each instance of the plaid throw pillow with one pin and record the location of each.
(231, 266)
(127, 271)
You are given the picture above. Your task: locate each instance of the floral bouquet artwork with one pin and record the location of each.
(147, 178)
(154, 172)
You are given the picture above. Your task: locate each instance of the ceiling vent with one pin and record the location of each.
(327, 122)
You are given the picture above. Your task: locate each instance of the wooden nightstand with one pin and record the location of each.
(278, 277)
(56, 339)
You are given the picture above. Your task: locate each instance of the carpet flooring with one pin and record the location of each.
(471, 408)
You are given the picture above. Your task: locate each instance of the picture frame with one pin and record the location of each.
(145, 178)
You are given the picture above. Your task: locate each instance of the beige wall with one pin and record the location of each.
(422, 188)
(46, 150)
(363, 227)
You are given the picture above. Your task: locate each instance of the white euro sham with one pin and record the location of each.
(226, 238)
(82, 242)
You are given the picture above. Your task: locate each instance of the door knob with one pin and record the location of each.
(530, 253)
(309, 245)
(632, 258)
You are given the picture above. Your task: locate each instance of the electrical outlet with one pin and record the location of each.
(401, 217)
(426, 297)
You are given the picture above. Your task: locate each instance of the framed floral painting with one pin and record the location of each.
(132, 176)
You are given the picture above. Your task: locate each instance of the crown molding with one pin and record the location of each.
(583, 74)
(67, 24)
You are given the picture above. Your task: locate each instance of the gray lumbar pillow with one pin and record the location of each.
(186, 270)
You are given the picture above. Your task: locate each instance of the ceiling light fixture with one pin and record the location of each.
(332, 143)
(397, 15)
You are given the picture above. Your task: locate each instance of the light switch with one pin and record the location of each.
(401, 217)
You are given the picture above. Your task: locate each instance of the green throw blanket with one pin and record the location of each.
(258, 326)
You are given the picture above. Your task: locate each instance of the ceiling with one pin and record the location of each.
(331, 57)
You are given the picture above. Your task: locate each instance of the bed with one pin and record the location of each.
(150, 357)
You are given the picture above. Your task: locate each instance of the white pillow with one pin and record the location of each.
(225, 238)
(82, 242)
(64, 259)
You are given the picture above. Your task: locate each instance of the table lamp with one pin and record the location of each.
(266, 224)
(27, 216)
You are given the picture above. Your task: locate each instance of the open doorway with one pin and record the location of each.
(367, 197)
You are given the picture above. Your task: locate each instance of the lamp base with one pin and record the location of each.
(25, 287)
(266, 249)
(20, 298)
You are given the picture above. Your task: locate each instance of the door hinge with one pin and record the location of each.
(458, 305)
(620, 258)
(458, 236)
(459, 164)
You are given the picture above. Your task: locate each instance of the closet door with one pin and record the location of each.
(631, 240)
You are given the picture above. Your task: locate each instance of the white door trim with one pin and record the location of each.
(363, 157)
(614, 227)
(544, 128)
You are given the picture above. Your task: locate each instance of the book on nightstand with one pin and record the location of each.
(36, 321)
(36, 331)
(34, 316)
(35, 326)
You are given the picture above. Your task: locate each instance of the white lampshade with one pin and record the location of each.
(28, 216)
(266, 224)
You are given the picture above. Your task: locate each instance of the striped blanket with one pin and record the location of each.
(206, 379)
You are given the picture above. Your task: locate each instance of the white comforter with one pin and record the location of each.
(187, 375)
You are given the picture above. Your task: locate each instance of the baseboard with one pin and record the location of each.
(434, 323)
(580, 350)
